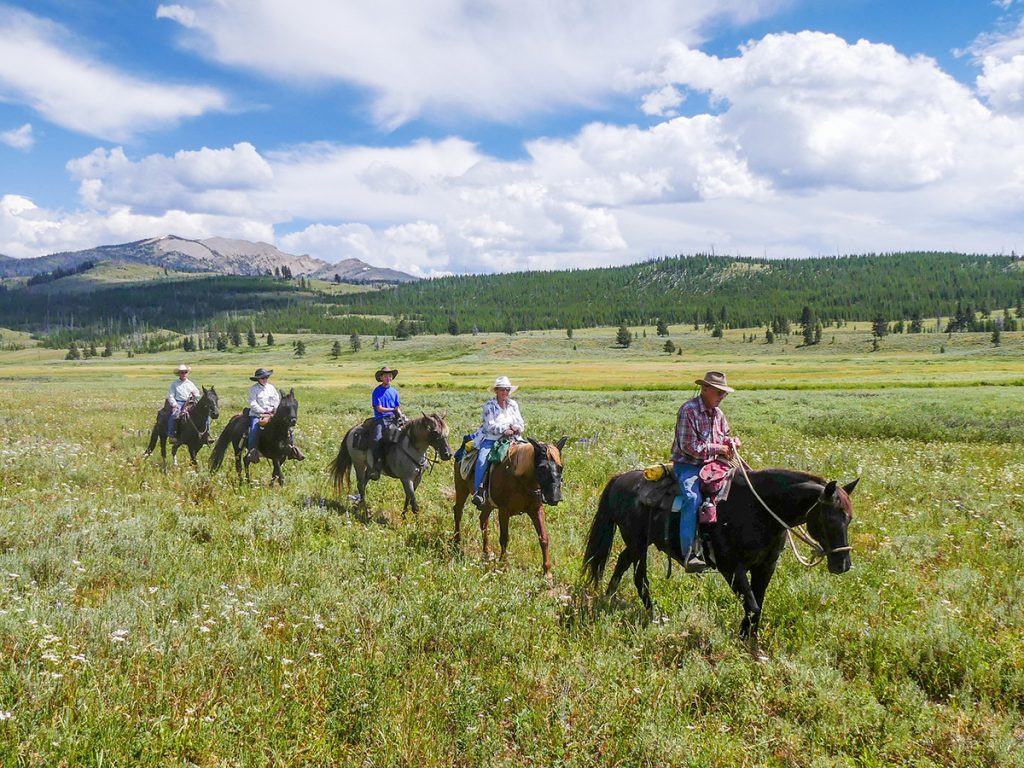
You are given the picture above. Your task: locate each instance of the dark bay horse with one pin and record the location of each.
(404, 459)
(191, 428)
(275, 440)
(747, 539)
(528, 478)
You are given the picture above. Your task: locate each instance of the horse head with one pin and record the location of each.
(435, 429)
(210, 396)
(547, 469)
(828, 522)
(288, 409)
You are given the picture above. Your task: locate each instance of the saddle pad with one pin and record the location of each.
(363, 438)
(467, 464)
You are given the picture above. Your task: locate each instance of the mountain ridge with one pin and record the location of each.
(217, 255)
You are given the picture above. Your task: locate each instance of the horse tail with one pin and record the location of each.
(225, 439)
(154, 435)
(339, 468)
(600, 538)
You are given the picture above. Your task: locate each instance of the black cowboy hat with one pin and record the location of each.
(260, 373)
(386, 369)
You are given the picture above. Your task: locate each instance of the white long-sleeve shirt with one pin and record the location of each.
(181, 391)
(497, 419)
(263, 398)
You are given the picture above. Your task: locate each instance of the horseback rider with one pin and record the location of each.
(701, 438)
(501, 418)
(386, 410)
(181, 392)
(263, 401)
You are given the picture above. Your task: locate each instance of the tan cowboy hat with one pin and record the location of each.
(502, 382)
(379, 374)
(181, 368)
(715, 380)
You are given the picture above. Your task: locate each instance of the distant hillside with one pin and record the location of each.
(216, 254)
(687, 289)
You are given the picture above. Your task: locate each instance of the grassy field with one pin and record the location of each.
(151, 618)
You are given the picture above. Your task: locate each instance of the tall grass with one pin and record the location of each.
(167, 619)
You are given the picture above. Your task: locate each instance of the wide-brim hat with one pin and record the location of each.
(716, 380)
(260, 373)
(181, 368)
(380, 374)
(502, 382)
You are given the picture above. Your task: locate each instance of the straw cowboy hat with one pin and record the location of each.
(181, 368)
(715, 380)
(379, 374)
(502, 382)
(260, 373)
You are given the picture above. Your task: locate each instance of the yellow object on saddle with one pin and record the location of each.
(467, 446)
(656, 472)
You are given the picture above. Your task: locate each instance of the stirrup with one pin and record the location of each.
(479, 500)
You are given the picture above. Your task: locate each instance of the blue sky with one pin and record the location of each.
(445, 136)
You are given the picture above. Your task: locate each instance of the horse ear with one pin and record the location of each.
(204, 390)
(850, 486)
(425, 415)
(830, 490)
(292, 391)
(561, 443)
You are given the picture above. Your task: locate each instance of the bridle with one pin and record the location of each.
(818, 552)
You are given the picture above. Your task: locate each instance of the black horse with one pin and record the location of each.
(191, 427)
(747, 538)
(275, 440)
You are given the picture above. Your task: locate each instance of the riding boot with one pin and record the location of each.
(695, 558)
(296, 453)
(373, 473)
(254, 455)
(479, 498)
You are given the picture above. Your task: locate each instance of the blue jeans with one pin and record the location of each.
(379, 425)
(254, 431)
(481, 463)
(172, 419)
(688, 477)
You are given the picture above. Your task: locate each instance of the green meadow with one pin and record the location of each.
(152, 618)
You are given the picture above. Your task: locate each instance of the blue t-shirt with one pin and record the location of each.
(387, 397)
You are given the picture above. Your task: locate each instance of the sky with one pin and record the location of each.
(455, 136)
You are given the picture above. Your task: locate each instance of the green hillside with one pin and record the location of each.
(705, 291)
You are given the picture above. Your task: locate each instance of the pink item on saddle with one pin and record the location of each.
(713, 478)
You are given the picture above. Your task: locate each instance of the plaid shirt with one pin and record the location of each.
(701, 434)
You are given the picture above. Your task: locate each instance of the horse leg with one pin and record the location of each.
(485, 517)
(643, 588)
(460, 502)
(163, 452)
(760, 577)
(751, 608)
(276, 473)
(621, 566)
(503, 518)
(410, 496)
(537, 516)
(174, 454)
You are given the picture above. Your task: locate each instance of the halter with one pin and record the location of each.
(818, 552)
(201, 432)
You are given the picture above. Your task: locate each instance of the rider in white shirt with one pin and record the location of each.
(181, 391)
(263, 400)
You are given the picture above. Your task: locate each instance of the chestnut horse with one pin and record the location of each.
(528, 478)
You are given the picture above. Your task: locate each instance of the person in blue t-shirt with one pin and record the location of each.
(385, 410)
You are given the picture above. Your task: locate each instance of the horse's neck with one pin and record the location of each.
(791, 501)
(415, 438)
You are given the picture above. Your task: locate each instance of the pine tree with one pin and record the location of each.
(250, 337)
(510, 328)
(74, 353)
(996, 336)
(108, 350)
(270, 339)
(662, 327)
(355, 342)
(300, 348)
(769, 336)
(568, 332)
(222, 343)
(879, 327)
(336, 349)
(623, 337)
(453, 326)
(669, 346)
(717, 332)
(236, 337)
(402, 329)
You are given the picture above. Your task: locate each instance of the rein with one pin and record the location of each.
(818, 552)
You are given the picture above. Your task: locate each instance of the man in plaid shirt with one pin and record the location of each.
(702, 435)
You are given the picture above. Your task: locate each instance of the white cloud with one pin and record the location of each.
(19, 138)
(179, 13)
(500, 59)
(42, 67)
(1001, 57)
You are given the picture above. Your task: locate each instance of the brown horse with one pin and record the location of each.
(528, 478)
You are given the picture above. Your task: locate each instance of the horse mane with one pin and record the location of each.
(793, 475)
(520, 458)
